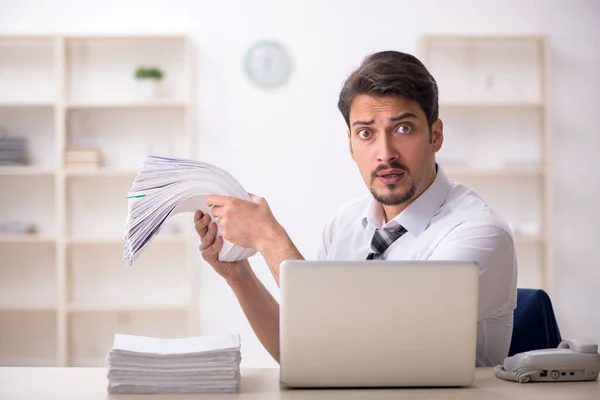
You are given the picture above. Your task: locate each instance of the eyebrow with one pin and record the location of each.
(393, 119)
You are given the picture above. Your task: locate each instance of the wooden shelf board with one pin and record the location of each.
(19, 238)
(490, 104)
(114, 241)
(100, 173)
(26, 104)
(127, 104)
(26, 170)
(529, 239)
(483, 37)
(455, 170)
(74, 307)
(127, 36)
(27, 307)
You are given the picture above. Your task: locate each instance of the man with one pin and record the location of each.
(390, 104)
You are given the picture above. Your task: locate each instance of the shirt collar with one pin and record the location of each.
(416, 217)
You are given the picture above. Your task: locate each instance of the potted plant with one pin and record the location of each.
(148, 81)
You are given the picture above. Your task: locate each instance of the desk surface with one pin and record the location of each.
(90, 384)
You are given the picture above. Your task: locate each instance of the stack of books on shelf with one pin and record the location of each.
(13, 150)
(82, 158)
(194, 365)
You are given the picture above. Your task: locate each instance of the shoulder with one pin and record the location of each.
(469, 211)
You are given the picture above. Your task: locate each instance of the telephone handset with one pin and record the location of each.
(572, 360)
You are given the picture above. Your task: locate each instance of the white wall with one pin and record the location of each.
(289, 146)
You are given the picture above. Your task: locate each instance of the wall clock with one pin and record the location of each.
(267, 64)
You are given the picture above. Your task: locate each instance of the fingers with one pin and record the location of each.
(216, 200)
(201, 222)
(209, 237)
(217, 211)
(211, 253)
(256, 199)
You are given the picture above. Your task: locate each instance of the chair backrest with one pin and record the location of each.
(535, 326)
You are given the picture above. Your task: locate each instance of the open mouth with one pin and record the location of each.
(390, 176)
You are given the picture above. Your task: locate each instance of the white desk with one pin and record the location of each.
(90, 384)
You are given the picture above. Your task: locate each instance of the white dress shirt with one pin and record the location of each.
(448, 221)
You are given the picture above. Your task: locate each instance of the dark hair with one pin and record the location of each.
(392, 73)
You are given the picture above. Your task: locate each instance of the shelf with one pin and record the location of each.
(18, 238)
(490, 104)
(30, 200)
(181, 239)
(27, 276)
(65, 291)
(17, 171)
(28, 338)
(27, 307)
(128, 104)
(101, 173)
(529, 239)
(26, 104)
(78, 308)
(121, 37)
(478, 38)
(99, 277)
(28, 71)
(451, 170)
(91, 335)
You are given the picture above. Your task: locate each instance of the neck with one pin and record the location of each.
(391, 212)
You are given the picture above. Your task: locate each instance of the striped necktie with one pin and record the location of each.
(382, 239)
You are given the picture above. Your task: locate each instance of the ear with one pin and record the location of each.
(437, 135)
(350, 146)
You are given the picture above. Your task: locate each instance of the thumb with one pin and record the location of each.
(253, 196)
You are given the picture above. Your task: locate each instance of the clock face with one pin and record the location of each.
(267, 64)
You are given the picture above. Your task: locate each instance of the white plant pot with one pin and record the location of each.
(147, 89)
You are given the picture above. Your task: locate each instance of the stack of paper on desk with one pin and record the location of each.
(168, 186)
(204, 364)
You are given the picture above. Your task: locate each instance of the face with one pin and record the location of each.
(389, 139)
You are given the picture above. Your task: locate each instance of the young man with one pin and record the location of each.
(390, 104)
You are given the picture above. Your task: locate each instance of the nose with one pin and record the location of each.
(386, 152)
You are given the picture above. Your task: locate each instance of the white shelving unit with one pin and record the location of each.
(494, 103)
(65, 290)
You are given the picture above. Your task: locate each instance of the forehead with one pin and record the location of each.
(368, 107)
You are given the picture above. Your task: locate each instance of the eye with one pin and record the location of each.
(404, 128)
(364, 134)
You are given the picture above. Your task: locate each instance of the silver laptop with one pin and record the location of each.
(378, 323)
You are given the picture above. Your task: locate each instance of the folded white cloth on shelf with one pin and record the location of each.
(203, 364)
(168, 186)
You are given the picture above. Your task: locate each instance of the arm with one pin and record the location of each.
(493, 249)
(261, 309)
(276, 248)
(258, 305)
(251, 224)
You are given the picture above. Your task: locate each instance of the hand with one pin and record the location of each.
(248, 224)
(210, 246)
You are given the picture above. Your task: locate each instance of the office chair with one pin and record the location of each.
(535, 326)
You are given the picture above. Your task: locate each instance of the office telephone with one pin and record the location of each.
(572, 360)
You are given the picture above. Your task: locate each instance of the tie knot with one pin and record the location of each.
(382, 239)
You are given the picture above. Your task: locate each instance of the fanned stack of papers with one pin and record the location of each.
(202, 364)
(168, 186)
